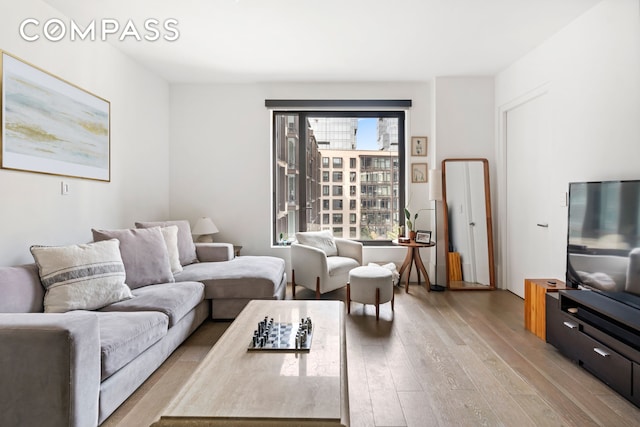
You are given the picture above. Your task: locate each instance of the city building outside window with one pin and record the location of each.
(312, 147)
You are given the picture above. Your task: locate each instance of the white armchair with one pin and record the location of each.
(321, 262)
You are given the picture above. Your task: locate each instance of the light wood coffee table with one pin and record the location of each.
(236, 387)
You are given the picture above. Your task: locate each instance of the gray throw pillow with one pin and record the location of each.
(144, 254)
(186, 247)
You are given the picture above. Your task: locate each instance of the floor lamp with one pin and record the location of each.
(435, 194)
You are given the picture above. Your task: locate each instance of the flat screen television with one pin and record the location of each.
(603, 243)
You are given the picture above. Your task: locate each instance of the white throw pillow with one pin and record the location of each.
(170, 235)
(322, 240)
(391, 267)
(81, 277)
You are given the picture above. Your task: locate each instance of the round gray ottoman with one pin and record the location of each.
(370, 285)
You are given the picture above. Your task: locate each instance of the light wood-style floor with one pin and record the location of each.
(441, 359)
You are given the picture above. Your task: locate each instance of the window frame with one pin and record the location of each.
(399, 113)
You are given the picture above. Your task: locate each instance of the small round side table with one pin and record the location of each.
(413, 257)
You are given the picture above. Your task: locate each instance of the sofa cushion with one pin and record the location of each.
(340, 265)
(173, 299)
(144, 253)
(322, 240)
(81, 277)
(21, 289)
(124, 336)
(241, 277)
(170, 235)
(186, 247)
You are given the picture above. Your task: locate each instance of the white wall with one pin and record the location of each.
(221, 148)
(463, 108)
(33, 210)
(592, 69)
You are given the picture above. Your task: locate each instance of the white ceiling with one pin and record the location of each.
(332, 40)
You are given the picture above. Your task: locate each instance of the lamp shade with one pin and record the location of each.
(435, 184)
(204, 225)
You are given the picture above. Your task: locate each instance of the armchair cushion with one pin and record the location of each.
(340, 265)
(322, 240)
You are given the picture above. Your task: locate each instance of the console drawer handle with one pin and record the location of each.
(601, 352)
(570, 325)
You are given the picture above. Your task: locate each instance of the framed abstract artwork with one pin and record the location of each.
(51, 126)
(419, 172)
(418, 145)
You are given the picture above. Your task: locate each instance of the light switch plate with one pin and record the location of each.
(562, 198)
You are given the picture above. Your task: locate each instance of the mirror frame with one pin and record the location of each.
(445, 211)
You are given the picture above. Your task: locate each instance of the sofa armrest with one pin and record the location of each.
(214, 252)
(49, 369)
(349, 248)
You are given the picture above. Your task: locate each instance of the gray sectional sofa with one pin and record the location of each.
(75, 368)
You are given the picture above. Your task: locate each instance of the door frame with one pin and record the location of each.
(501, 158)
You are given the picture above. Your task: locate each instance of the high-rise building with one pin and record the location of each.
(353, 193)
(335, 133)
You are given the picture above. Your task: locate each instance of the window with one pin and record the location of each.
(337, 231)
(310, 150)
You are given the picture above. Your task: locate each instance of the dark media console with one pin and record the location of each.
(601, 333)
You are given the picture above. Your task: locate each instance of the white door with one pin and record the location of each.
(527, 146)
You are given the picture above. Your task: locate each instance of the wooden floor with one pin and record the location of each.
(441, 359)
(459, 284)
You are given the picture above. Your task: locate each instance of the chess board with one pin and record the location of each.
(281, 337)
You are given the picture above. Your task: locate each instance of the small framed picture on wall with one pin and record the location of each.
(419, 172)
(418, 145)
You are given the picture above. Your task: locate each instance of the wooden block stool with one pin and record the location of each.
(370, 285)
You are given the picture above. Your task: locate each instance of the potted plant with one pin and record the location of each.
(411, 224)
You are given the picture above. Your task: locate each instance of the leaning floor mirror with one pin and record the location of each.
(468, 232)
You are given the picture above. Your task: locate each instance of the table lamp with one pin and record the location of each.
(204, 229)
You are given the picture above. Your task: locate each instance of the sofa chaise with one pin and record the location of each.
(66, 360)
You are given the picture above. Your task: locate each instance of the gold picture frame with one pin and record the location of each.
(419, 173)
(419, 145)
(51, 126)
